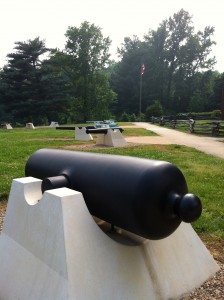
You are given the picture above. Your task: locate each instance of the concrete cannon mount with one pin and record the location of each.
(52, 249)
(106, 136)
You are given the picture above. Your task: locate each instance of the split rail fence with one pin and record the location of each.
(203, 124)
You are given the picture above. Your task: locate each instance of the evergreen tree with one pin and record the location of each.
(21, 88)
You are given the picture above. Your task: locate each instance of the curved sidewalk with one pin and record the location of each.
(210, 145)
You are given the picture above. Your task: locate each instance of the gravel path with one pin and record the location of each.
(210, 145)
(2, 214)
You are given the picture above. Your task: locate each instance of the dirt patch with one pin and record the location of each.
(51, 139)
(132, 141)
(216, 249)
(131, 126)
(148, 140)
(94, 146)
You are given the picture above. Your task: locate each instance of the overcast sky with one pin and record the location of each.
(49, 19)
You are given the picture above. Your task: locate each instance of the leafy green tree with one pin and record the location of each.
(196, 102)
(154, 110)
(88, 56)
(173, 55)
(185, 53)
(201, 86)
(155, 60)
(179, 29)
(125, 79)
(218, 96)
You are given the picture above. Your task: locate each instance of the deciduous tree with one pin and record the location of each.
(88, 53)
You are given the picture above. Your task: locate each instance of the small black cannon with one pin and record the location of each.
(146, 197)
(103, 130)
(91, 129)
(73, 127)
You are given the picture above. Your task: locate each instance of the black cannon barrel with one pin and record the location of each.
(73, 128)
(91, 129)
(102, 130)
(65, 128)
(146, 197)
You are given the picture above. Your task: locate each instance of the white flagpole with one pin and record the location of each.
(140, 98)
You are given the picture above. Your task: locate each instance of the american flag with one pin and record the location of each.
(142, 69)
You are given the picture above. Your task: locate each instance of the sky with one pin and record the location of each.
(22, 20)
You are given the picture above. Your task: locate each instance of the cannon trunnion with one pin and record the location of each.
(147, 197)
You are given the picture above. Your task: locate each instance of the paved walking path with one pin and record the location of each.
(210, 145)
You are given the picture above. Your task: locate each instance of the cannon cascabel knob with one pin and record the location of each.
(189, 208)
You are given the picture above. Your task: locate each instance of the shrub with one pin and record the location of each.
(155, 110)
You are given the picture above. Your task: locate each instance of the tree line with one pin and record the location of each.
(81, 82)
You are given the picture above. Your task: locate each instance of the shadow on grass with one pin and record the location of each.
(4, 197)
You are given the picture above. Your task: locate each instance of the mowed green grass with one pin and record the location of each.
(18, 144)
(204, 173)
(138, 132)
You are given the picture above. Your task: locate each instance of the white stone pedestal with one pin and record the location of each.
(53, 249)
(113, 138)
(54, 124)
(30, 126)
(81, 135)
(7, 126)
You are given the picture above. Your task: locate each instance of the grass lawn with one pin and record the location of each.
(138, 132)
(18, 144)
(204, 173)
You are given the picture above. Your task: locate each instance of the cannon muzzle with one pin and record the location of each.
(146, 197)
